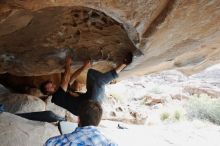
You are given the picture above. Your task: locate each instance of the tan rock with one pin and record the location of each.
(151, 101)
(177, 34)
(180, 97)
(56, 32)
(191, 90)
(18, 19)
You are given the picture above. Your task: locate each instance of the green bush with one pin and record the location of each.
(177, 115)
(203, 107)
(171, 116)
(164, 116)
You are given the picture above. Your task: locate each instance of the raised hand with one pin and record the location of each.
(128, 58)
(87, 64)
(68, 61)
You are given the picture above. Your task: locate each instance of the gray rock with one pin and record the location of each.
(21, 103)
(17, 131)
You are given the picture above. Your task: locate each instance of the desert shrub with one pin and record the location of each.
(177, 115)
(173, 115)
(164, 116)
(203, 107)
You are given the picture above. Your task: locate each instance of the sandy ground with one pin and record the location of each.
(185, 133)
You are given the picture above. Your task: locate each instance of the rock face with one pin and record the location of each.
(21, 103)
(21, 132)
(35, 37)
(173, 34)
(51, 34)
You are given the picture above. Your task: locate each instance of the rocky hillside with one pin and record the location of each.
(137, 99)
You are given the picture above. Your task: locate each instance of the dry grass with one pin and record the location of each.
(203, 107)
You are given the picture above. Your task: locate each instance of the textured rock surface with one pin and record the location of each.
(21, 103)
(21, 132)
(52, 33)
(170, 34)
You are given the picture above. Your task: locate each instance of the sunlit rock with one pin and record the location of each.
(22, 132)
(21, 103)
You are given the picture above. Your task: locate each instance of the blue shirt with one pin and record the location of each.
(82, 136)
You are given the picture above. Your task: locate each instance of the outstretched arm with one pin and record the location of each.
(127, 60)
(67, 74)
(86, 65)
(120, 67)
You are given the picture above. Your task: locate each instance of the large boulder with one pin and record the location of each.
(53, 33)
(21, 103)
(22, 132)
(166, 34)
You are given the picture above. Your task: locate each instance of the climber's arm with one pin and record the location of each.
(86, 65)
(67, 74)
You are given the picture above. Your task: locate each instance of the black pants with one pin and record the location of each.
(44, 116)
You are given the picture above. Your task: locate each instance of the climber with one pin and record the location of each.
(95, 84)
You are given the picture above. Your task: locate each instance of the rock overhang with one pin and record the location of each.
(181, 35)
(40, 46)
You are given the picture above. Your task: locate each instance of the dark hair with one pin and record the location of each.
(74, 85)
(90, 113)
(128, 58)
(42, 87)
